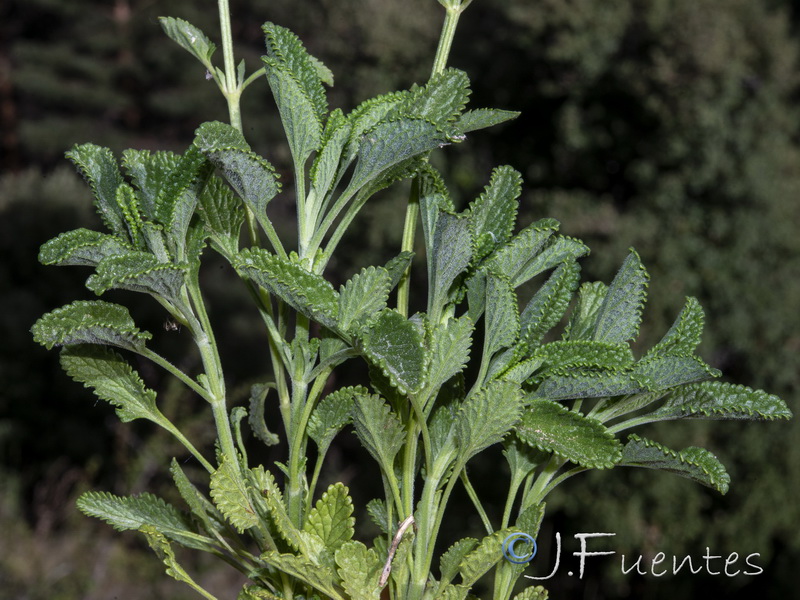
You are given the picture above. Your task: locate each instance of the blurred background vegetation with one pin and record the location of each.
(667, 125)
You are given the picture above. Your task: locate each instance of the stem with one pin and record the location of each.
(452, 13)
(231, 90)
(473, 495)
(409, 233)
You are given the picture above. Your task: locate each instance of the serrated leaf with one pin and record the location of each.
(200, 506)
(512, 258)
(363, 296)
(223, 216)
(494, 212)
(113, 380)
(486, 418)
(326, 166)
(255, 416)
(397, 266)
(389, 144)
(549, 304)
(502, 315)
(719, 400)
(565, 356)
(532, 593)
(89, 322)
(149, 173)
(380, 516)
(684, 335)
(252, 177)
(450, 248)
(583, 320)
(395, 345)
(453, 557)
(304, 291)
(81, 247)
(138, 272)
(332, 517)
(620, 314)
(669, 371)
(163, 549)
(99, 168)
(584, 441)
(441, 99)
(359, 569)
(229, 494)
(558, 250)
(378, 429)
(522, 458)
(331, 415)
(134, 512)
(480, 118)
(589, 385)
(285, 48)
(318, 577)
(129, 205)
(450, 345)
(697, 464)
(300, 121)
(190, 38)
(486, 555)
(256, 592)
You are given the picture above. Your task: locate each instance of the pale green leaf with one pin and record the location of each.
(441, 99)
(81, 247)
(326, 169)
(558, 250)
(359, 568)
(380, 516)
(113, 380)
(318, 577)
(230, 495)
(453, 557)
(332, 517)
(697, 464)
(486, 555)
(532, 593)
(669, 371)
(502, 315)
(222, 215)
(620, 314)
(190, 38)
(163, 549)
(395, 345)
(450, 345)
(200, 506)
(331, 415)
(512, 258)
(89, 322)
(589, 385)
(450, 250)
(397, 266)
(255, 592)
(363, 297)
(584, 441)
(486, 417)
(378, 429)
(255, 416)
(719, 400)
(304, 291)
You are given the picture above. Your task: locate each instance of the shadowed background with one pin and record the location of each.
(667, 125)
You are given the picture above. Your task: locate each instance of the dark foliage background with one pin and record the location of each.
(668, 125)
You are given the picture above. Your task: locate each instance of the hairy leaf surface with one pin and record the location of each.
(719, 400)
(620, 314)
(332, 517)
(395, 345)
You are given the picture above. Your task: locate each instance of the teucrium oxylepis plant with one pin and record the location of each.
(481, 366)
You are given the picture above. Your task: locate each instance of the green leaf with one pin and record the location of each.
(332, 517)
(81, 247)
(190, 38)
(138, 272)
(559, 249)
(522, 459)
(455, 555)
(223, 216)
(584, 441)
(494, 212)
(502, 315)
(684, 335)
(549, 304)
(150, 173)
(326, 169)
(378, 429)
(532, 593)
(286, 49)
(200, 506)
(562, 356)
(331, 415)
(718, 400)
(487, 554)
(255, 592)
(163, 549)
(512, 258)
(359, 568)
(252, 177)
(113, 380)
(380, 516)
(363, 297)
(255, 416)
(389, 144)
(583, 320)
(590, 384)
(99, 168)
(89, 322)
(230, 496)
(450, 345)
(441, 99)
(304, 291)
(480, 118)
(697, 464)
(129, 205)
(300, 122)
(670, 371)
(450, 249)
(486, 417)
(619, 316)
(318, 577)
(395, 345)
(397, 266)
(134, 512)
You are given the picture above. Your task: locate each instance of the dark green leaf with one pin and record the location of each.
(378, 429)
(718, 400)
(486, 417)
(502, 315)
(395, 345)
(684, 335)
(494, 212)
(362, 297)
(98, 167)
(621, 312)
(583, 321)
(81, 247)
(549, 304)
(331, 415)
(450, 344)
(480, 118)
(138, 272)
(190, 38)
(255, 416)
